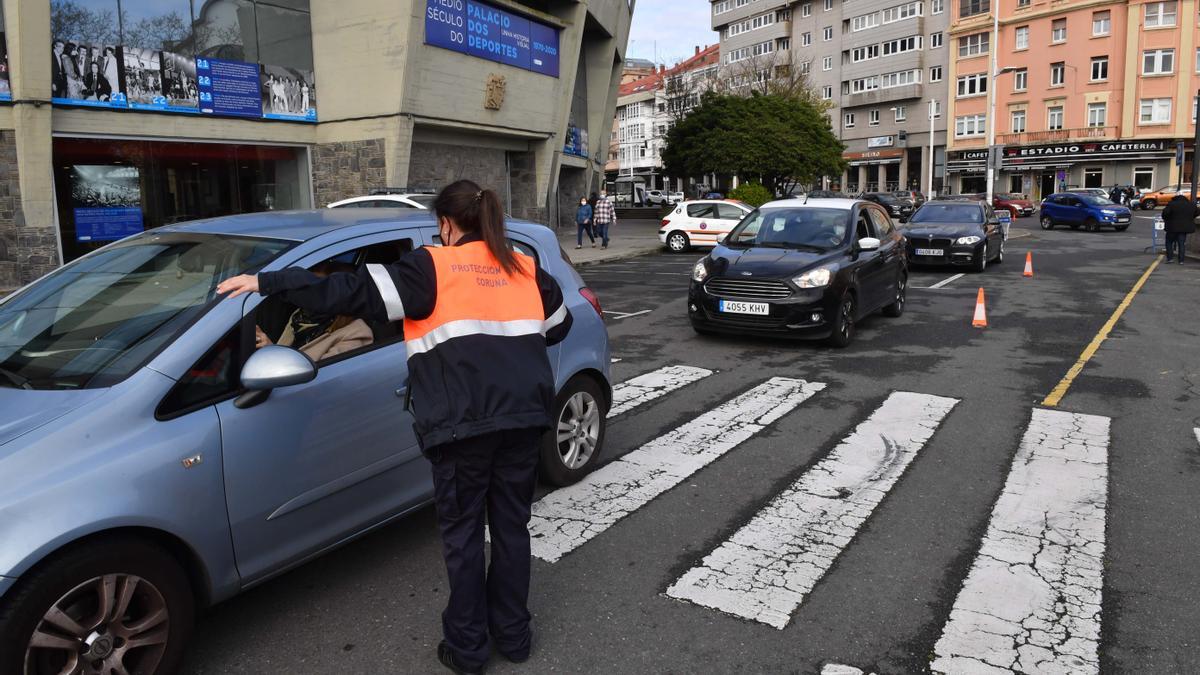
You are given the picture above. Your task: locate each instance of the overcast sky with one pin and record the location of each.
(677, 25)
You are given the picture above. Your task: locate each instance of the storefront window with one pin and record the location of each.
(5, 90)
(109, 189)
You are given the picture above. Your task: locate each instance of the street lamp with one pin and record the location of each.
(933, 114)
(991, 134)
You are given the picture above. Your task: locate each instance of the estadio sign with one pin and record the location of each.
(1098, 149)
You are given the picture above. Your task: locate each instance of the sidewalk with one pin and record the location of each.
(627, 239)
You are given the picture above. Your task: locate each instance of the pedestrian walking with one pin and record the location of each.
(604, 216)
(583, 223)
(1179, 220)
(477, 319)
(1115, 195)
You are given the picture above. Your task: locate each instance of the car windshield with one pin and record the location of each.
(814, 228)
(1094, 200)
(1006, 196)
(426, 201)
(95, 321)
(946, 213)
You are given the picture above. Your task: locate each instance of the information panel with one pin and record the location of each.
(107, 202)
(229, 88)
(485, 32)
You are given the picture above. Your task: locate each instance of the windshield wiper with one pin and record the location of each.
(16, 380)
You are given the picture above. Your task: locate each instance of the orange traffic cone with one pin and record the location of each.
(1029, 264)
(980, 312)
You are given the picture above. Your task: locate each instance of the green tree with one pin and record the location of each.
(753, 194)
(780, 140)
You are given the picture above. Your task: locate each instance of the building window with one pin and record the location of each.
(908, 44)
(722, 7)
(827, 33)
(1058, 74)
(864, 22)
(1143, 177)
(1020, 80)
(937, 6)
(972, 7)
(935, 74)
(1058, 31)
(1195, 102)
(1099, 68)
(1054, 117)
(1101, 23)
(1022, 37)
(970, 125)
(1021, 4)
(805, 39)
(901, 113)
(972, 45)
(806, 9)
(827, 63)
(1158, 61)
(873, 118)
(1018, 121)
(1155, 111)
(828, 5)
(972, 85)
(901, 12)
(1093, 178)
(1097, 114)
(935, 40)
(849, 124)
(784, 44)
(937, 109)
(827, 92)
(806, 67)
(866, 53)
(1160, 14)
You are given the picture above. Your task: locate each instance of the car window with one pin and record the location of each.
(702, 210)
(864, 228)
(96, 321)
(883, 224)
(941, 212)
(730, 212)
(390, 204)
(213, 378)
(349, 205)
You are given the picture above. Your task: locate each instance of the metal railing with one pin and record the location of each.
(1057, 135)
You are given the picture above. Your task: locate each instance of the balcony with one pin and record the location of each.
(1058, 136)
(880, 96)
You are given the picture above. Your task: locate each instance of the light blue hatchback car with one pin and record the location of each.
(153, 461)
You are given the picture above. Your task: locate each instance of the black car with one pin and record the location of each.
(913, 196)
(899, 207)
(944, 232)
(808, 271)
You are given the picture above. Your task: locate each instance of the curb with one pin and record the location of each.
(619, 256)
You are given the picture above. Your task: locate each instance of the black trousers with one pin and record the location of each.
(1177, 242)
(493, 476)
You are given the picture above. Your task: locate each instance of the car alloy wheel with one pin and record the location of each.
(1091, 225)
(843, 329)
(1150, 204)
(115, 623)
(981, 262)
(1047, 223)
(578, 430)
(677, 242)
(1000, 255)
(573, 444)
(897, 307)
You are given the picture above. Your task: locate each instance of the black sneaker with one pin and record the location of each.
(446, 656)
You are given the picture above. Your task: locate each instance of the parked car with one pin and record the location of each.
(1095, 192)
(1017, 205)
(658, 197)
(1160, 197)
(700, 223)
(677, 197)
(898, 207)
(1086, 211)
(913, 196)
(154, 461)
(388, 200)
(954, 233)
(713, 195)
(808, 269)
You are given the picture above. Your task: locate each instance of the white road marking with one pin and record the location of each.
(617, 316)
(1031, 601)
(615, 360)
(1197, 435)
(567, 518)
(945, 282)
(765, 570)
(839, 669)
(645, 388)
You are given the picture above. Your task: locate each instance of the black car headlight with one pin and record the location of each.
(700, 271)
(968, 241)
(815, 278)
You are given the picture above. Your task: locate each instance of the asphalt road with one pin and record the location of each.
(895, 579)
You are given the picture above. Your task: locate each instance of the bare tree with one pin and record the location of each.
(780, 73)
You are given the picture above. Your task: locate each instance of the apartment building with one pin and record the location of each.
(881, 64)
(1090, 93)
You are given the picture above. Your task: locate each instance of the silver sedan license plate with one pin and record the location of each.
(735, 307)
(929, 251)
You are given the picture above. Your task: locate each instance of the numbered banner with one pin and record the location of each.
(229, 88)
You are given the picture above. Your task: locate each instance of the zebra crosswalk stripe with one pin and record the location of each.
(765, 570)
(1032, 598)
(645, 388)
(567, 518)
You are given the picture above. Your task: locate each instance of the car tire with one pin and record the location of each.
(1121, 228)
(843, 322)
(1149, 204)
(897, 307)
(678, 242)
(981, 264)
(1091, 225)
(1047, 223)
(1000, 254)
(72, 582)
(572, 446)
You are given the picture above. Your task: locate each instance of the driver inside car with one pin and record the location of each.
(320, 337)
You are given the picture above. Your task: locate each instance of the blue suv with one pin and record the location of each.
(153, 461)
(1077, 210)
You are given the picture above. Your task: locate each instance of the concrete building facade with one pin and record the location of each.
(356, 96)
(1092, 93)
(879, 62)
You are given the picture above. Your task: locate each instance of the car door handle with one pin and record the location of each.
(402, 392)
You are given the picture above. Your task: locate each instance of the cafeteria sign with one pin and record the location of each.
(486, 32)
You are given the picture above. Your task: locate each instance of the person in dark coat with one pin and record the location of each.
(1114, 195)
(1180, 220)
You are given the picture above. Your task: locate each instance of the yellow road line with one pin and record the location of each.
(1061, 389)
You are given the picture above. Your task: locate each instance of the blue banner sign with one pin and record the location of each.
(107, 223)
(485, 32)
(229, 88)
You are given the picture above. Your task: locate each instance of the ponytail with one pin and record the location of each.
(476, 210)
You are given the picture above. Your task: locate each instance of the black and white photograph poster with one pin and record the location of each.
(107, 202)
(179, 82)
(86, 74)
(288, 93)
(144, 78)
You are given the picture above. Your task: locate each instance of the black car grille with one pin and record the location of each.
(747, 289)
(747, 321)
(922, 242)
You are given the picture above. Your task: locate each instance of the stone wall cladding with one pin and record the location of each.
(348, 169)
(436, 165)
(26, 253)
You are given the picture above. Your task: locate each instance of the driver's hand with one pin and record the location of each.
(239, 285)
(260, 338)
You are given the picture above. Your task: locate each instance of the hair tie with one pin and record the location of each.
(479, 195)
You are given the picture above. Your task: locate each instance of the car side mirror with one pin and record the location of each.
(273, 367)
(868, 244)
